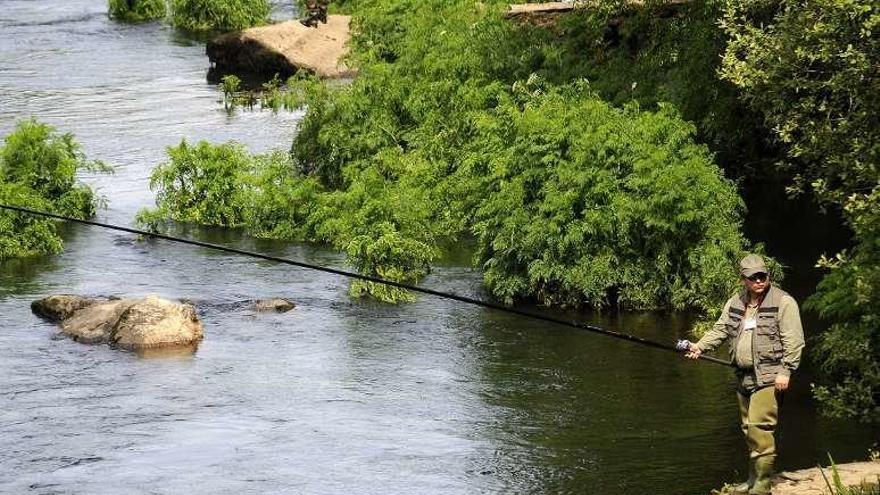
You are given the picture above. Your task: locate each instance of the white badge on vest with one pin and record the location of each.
(750, 324)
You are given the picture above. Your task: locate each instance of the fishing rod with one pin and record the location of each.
(680, 346)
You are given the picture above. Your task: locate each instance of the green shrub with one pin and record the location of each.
(219, 15)
(202, 184)
(137, 10)
(849, 298)
(222, 185)
(35, 156)
(586, 202)
(24, 235)
(38, 170)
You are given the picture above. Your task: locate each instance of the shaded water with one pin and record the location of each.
(337, 396)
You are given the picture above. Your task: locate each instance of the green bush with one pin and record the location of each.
(849, 297)
(586, 203)
(222, 185)
(218, 15)
(38, 170)
(137, 10)
(202, 184)
(24, 235)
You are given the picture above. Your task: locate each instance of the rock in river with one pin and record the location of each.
(60, 307)
(278, 305)
(134, 324)
(283, 49)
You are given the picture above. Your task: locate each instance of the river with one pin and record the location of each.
(336, 396)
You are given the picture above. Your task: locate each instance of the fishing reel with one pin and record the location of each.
(683, 345)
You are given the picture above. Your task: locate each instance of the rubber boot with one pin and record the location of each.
(763, 475)
(744, 487)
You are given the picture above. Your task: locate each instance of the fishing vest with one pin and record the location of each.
(766, 341)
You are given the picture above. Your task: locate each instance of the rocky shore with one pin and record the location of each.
(811, 482)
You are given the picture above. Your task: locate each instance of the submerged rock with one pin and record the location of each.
(134, 324)
(278, 305)
(60, 307)
(282, 49)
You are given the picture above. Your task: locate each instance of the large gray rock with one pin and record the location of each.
(283, 49)
(134, 324)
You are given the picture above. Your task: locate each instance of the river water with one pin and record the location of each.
(337, 396)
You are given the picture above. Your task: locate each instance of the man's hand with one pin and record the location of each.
(694, 352)
(781, 383)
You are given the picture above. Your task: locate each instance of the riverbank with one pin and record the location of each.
(283, 49)
(812, 482)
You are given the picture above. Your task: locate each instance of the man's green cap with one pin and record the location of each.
(751, 265)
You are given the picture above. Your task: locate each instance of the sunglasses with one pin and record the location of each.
(758, 277)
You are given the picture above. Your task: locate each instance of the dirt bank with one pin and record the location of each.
(283, 49)
(811, 482)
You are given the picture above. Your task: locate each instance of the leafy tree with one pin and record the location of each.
(848, 352)
(810, 68)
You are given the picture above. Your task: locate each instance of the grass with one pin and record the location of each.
(836, 487)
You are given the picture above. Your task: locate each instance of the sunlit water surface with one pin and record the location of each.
(337, 396)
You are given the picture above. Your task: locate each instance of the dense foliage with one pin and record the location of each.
(662, 53)
(810, 68)
(571, 201)
(38, 170)
(137, 10)
(583, 202)
(219, 15)
(849, 297)
(461, 124)
(448, 134)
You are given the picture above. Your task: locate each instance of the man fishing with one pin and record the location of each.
(766, 337)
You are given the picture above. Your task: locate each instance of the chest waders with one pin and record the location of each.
(758, 405)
